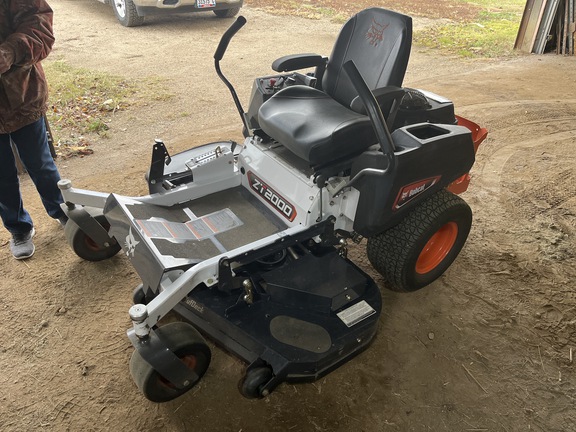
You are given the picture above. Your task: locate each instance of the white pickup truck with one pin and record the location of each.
(131, 13)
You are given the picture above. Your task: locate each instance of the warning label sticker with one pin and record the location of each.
(354, 314)
(196, 229)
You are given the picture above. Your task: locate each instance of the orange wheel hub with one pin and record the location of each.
(190, 362)
(437, 248)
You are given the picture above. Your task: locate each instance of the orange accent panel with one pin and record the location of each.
(479, 134)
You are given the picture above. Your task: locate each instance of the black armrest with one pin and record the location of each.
(383, 95)
(388, 99)
(298, 61)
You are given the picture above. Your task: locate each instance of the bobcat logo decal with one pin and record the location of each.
(375, 34)
(130, 244)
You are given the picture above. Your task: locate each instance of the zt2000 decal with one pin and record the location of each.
(281, 205)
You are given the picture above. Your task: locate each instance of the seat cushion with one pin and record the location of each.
(313, 126)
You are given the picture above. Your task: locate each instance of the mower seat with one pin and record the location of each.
(320, 126)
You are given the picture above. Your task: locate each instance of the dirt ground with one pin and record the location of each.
(485, 348)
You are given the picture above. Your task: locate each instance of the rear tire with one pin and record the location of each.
(227, 13)
(420, 249)
(126, 13)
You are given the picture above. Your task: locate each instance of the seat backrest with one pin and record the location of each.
(379, 42)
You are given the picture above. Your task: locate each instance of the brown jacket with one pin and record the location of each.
(26, 38)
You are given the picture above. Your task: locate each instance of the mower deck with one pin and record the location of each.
(292, 324)
(304, 311)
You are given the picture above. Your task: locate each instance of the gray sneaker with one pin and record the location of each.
(62, 221)
(21, 245)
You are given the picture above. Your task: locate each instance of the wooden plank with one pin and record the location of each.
(530, 23)
(523, 25)
(537, 22)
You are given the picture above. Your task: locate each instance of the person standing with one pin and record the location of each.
(26, 38)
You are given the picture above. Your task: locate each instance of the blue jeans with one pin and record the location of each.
(32, 144)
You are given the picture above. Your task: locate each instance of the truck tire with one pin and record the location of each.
(126, 13)
(227, 13)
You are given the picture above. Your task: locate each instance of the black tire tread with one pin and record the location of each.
(177, 336)
(389, 252)
(227, 13)
(132, 19)
(251, 384)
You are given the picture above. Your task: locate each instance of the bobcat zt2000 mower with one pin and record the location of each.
(247, 241)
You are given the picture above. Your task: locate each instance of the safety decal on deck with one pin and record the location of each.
(354, 314)
(195, 229)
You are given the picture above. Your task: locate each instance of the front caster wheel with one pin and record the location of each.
(188, 345)
(419, 249)
(251, 386)
(84, 246)
(140, 296)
